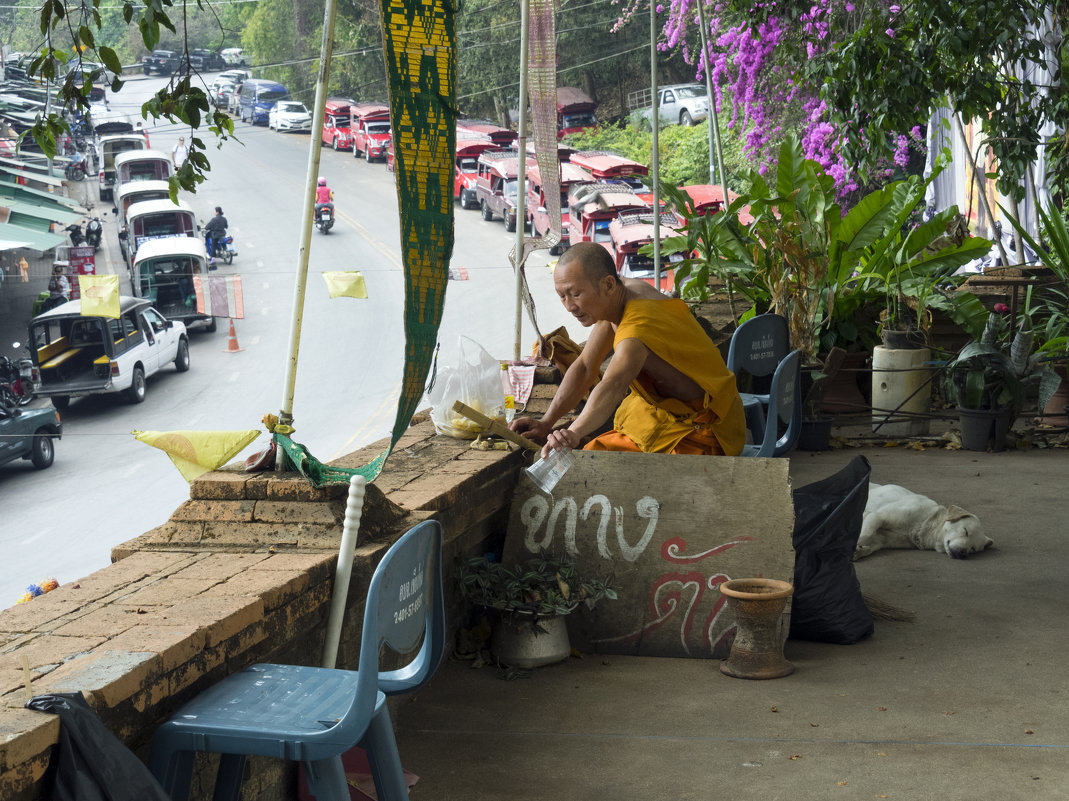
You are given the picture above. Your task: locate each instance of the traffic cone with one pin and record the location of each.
(232, 342)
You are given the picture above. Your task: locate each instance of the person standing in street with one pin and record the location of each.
(179, 153)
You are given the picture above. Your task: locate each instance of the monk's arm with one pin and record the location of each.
(626, 364)
(580, 376)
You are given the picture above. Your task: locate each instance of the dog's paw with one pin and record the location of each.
(862, 551)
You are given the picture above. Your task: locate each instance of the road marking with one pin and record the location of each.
(371, 421)
(376, 243)
(38, 535)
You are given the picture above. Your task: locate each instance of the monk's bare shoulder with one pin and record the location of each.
(640, 289)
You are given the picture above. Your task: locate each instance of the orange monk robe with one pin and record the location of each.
(646, 422)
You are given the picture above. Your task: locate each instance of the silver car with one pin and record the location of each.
(685, 104)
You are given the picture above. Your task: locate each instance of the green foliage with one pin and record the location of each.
(684, 151)
(546, 584)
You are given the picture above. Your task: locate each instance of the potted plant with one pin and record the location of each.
(531, 601)
(988, 380)
(815, 433)
(1051, 313)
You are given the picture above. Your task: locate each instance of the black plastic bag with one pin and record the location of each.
(89, 763)
(827, 605)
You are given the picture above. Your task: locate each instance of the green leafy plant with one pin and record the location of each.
(545, 585)
(1051, 312)
(995, 371)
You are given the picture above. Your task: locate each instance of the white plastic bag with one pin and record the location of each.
(475, 381)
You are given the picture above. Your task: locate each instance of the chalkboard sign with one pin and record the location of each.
(671, 528)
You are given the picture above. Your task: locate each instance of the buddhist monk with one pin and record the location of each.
(673, 390)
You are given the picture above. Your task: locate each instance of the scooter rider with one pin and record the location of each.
(324, 197)
(215, 231)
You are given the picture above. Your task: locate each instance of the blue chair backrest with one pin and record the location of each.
(759, 345)
(785, 398)
(408, 585)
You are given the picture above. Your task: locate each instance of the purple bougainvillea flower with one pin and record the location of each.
(1001, 308)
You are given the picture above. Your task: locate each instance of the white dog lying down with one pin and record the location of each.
(897, 518)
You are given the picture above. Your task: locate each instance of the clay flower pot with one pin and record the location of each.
(757, 606)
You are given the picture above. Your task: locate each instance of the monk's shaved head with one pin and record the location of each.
(594, 260)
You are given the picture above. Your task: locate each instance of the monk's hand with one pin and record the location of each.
(536, 430)
(561, 439)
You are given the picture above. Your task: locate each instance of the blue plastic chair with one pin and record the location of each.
(785, 398)
(757, 347)
(312, 714)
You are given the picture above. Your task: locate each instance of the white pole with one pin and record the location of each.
(326, 48)
(655, 161)
(521, 174)
(714, 121)
(354, 508)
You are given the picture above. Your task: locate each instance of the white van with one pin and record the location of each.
(234, 57)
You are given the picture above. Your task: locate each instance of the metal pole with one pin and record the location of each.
(354, 509)
(285, 415)
(714, 119)
(521, 174)
(48, 113)
(655, 161)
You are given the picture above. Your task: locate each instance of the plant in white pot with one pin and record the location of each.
(531, 600)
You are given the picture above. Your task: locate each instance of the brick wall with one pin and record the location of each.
(241, 573)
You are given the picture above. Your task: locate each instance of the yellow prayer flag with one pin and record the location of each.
(100, 295)
(195, 453)
(345, 284)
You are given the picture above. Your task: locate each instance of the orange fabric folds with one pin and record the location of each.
(661, 425)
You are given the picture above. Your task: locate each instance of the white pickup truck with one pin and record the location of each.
(83, 355)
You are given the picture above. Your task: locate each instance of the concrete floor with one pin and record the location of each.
(969, 701)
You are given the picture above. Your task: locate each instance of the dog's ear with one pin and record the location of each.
(990, 543)
(957, 513)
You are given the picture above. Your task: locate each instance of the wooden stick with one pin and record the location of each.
(495, 427)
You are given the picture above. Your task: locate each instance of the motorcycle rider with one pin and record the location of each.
(215, 232)
(324, 197)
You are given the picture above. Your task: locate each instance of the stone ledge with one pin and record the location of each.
(241, 573)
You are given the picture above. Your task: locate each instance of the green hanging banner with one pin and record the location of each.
(419, 39)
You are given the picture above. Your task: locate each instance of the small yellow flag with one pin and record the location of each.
(345, 284)
(100, 295)
(195, 453)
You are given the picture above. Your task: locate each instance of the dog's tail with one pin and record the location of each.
(881, 610)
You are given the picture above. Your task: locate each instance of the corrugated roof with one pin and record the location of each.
(15, 236)
(52, 214)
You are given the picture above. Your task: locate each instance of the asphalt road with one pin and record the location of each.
(105, 487)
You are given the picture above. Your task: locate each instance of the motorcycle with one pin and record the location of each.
(94, 232)
(77, 237)
(18, 379)
(224, 248)
(75, 170)
(324, 218)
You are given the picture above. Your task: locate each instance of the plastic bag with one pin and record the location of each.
(827, 605)
(476, 381)
(89, 763)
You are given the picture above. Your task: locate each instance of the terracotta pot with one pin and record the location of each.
(843, 394)
(1054, 413)
(757, 606)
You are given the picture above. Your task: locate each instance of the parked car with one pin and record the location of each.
(155, 219)
(685, 104)
(336, 131)
(237, 76)
(26, 432)
(289, 115)
(206, 60)
(163, 274)
(369, 124)
(79, 354)
(497, 185)
(258, 97)
(162, 62)
(108, 147)
(234, 57)
(220, 91)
